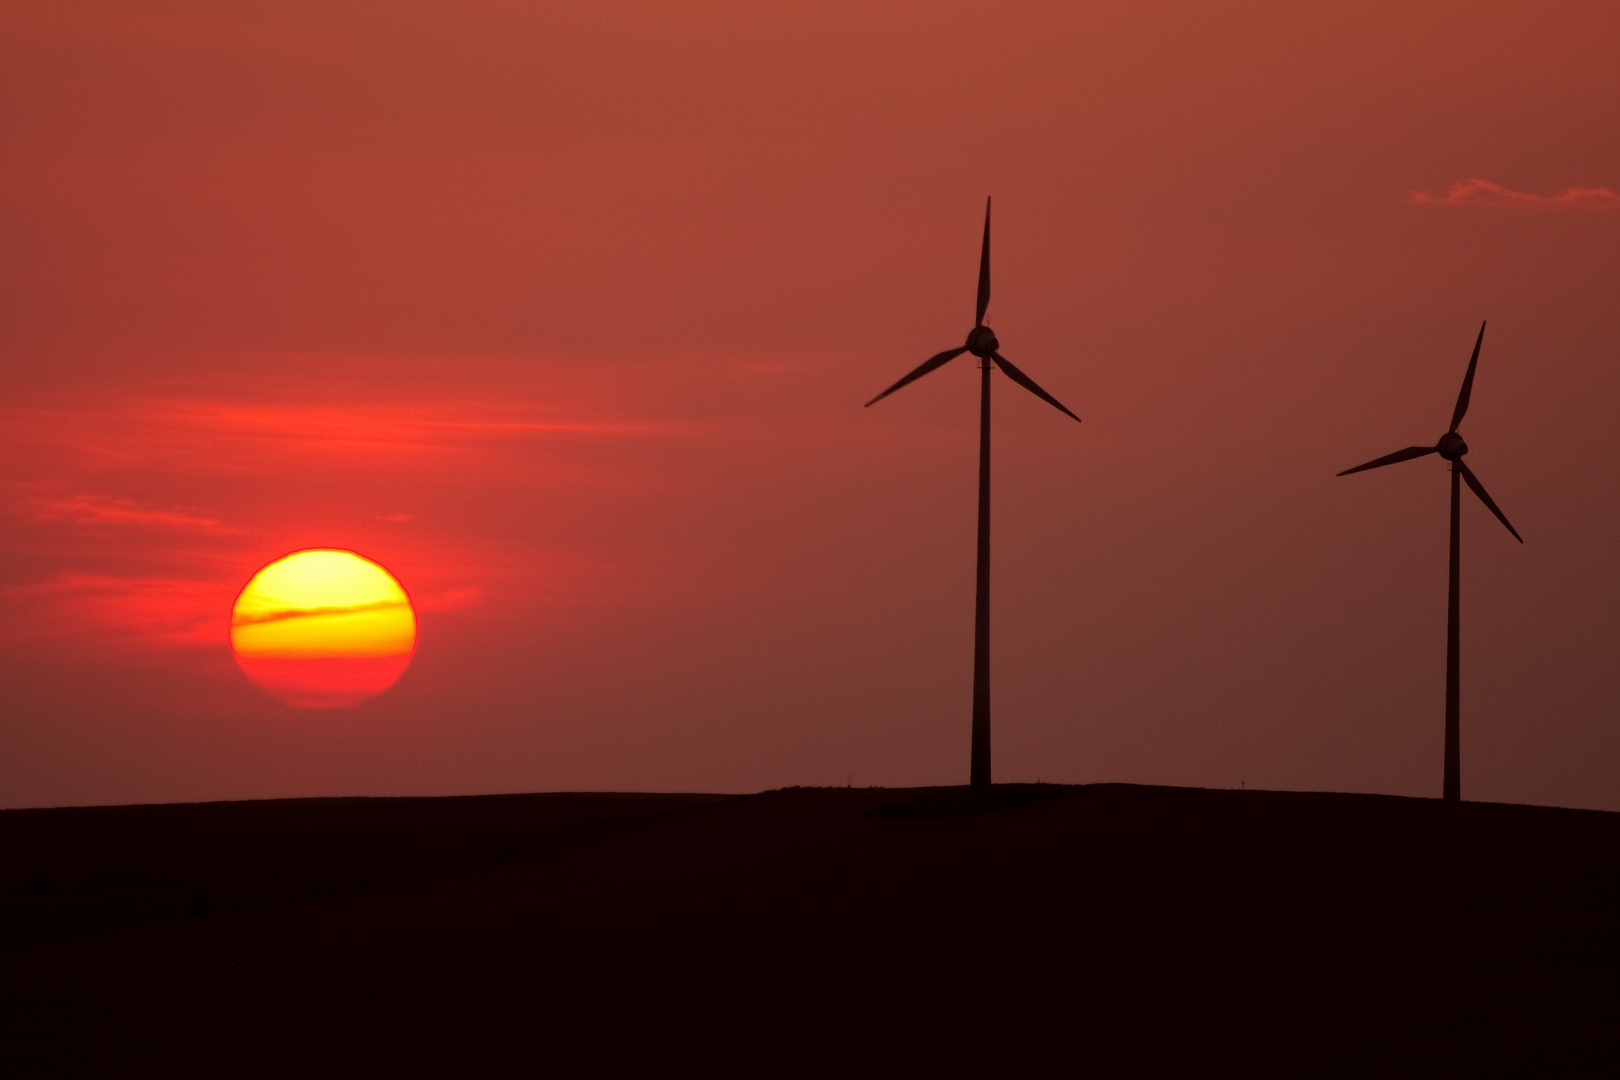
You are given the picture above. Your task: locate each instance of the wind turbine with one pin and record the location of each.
(981, 342)
(1452, 448)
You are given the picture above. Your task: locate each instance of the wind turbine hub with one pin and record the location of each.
(1451, 446)
(982, 342)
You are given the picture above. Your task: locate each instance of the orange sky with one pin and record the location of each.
(565, 315)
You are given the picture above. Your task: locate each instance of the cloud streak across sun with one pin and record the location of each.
(311, 612)
(322, 603)
(1484, 195)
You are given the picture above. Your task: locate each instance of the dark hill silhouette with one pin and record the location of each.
(1041, 930)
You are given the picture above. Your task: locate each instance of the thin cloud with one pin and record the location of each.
(248, 437)
(326, 427)
(449, 599)
(1486, 195)
(158, 612)
(86, 509)
(282, 614)
(164, 613)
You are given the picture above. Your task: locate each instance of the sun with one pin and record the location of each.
(323, 629)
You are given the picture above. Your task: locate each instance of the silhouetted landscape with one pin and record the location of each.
(1032, 929)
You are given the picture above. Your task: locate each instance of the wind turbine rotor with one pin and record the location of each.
(1468, 382)
(984, 272)
(1490, 504)
(1389, 459)
(981, 342)
(1029, 384)
(935, 361)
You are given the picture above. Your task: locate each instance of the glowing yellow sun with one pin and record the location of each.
(323, 628)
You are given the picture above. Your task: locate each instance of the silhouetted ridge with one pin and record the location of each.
(968, 801)
(1028, 930)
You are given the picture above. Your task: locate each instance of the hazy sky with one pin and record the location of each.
(565, 314)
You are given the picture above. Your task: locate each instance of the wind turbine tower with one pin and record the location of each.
(1452, 448)
(982, 343)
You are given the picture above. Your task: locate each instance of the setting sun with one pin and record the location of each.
(323, 629)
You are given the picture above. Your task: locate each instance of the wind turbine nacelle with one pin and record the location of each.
(1451, 446)
(982, 342)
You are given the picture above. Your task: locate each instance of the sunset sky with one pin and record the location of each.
(565, 315)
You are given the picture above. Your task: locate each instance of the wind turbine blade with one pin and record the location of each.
(1389, 459)
(1468, 382)
(922, 369)
(1479, 489)
(984, 268)
(1029, 384)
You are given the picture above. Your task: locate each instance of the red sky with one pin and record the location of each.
(565, 314)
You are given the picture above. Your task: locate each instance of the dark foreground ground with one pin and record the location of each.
(1099, 930)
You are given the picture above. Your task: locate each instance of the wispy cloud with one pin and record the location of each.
(449, 599)
(440, 600)
(160, 613)
(247, 437)
(519, 494)
(89, 509)
(165, 613)
(326, 429)
(1486, 195)
(241, 618)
